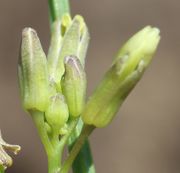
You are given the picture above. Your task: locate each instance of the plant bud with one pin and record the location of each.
(83, 44)
(32, 71)
(59, 27)
(139, 47)
(57, 112)
(54, 49)
(124, 74)
(75, 39)
(74, 85)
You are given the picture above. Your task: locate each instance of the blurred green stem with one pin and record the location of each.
(64, 139)
(84, 161)
(1, 169)
(52, 151)
(57, 8)
(86, 131)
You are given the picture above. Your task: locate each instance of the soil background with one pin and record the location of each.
(145, 136)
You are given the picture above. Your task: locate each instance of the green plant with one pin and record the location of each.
(53, 87)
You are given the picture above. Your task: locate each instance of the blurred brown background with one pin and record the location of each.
(145, 136)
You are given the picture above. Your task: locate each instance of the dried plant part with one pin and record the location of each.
(5, 159)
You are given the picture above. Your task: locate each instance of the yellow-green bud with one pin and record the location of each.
(139, 47)
(59, 27)
(54, 49)
(32, 71)
(123, 75)
(57, 112)
(83, 44)
(74, 41)
(74, 85)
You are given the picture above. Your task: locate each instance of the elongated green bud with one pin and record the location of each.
(75, 39)
(74, 85)
(54, 49)
(59, 27)
(57, 112)
(139, 47)
(121, 78)
(32, 71)
(83, 44)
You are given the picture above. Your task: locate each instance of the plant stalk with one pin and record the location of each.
(87, 130)
(84, 160)
(57, 8)
(52, 151)
(2, 169)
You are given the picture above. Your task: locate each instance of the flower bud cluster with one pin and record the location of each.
(56, 85)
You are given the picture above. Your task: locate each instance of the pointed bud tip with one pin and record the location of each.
(153, 38)
(79, 18)
(73, 64)
(58, 97)
(71, 59)
(66, 20)
(27, 31)
(146, 39)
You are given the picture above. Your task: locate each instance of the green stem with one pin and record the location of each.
(87, 130)
(64, 139)
(2, 169)
(57, 8)
(54, 162)
(50, 146)
(38, 118)
(83, 163)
